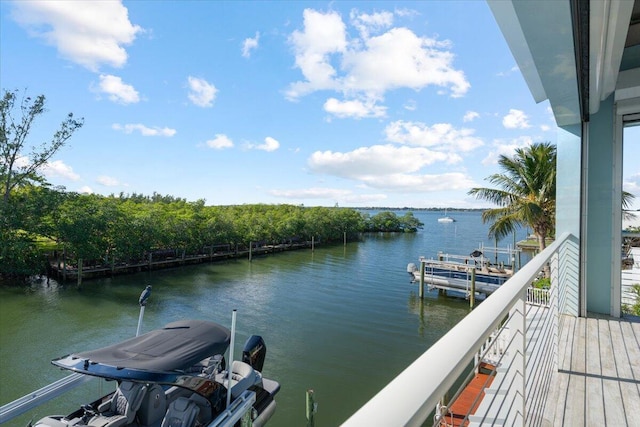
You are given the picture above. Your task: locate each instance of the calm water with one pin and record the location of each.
(342, 321)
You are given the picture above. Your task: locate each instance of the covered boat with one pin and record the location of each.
(174, 377)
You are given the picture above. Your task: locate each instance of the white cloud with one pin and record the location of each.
(144, 130)
(516, 119)
(426, 183)
(355, 109)
(201, 92)
(270, 144)
(332, 194)
(401, 59)
(632, 185)
(88, 33)
(85, 189)
(369, 66)
(440, 136)
(250, 44)
(116, 90)
(470, 116)
(21, 162)
(373, 23)
(323, 35)
(312, 193)
(59, 169)
(505, 148)
(391, 168)
(107, 181)
(220, 142)
(510, 71)
(377, 160)
(410, 105)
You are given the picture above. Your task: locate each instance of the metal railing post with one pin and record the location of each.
(521, 360)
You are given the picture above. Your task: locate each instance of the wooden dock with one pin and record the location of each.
(61, 270)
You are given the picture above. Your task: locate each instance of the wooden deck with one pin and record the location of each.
(598, 378)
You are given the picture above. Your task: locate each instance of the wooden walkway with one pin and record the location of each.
(598, 378)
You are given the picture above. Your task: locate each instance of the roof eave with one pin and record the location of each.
(540, 36)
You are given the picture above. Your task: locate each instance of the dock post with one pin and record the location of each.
(311, 409)
(79, 278)
(64, 263)
(313, 243)
(250, 246)
(422, 267)
(472, 296)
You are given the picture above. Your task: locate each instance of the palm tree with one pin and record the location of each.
(526, 195)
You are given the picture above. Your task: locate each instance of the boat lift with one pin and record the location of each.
(473, 274)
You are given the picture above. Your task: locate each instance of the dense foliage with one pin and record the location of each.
(125, 228)
(634, 308)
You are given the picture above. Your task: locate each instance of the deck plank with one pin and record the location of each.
(598, 376)
(575, 404)
(614, 408)
(592, 374)
(629, 390)
(560, 383)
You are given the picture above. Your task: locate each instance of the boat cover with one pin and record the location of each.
(172, 349)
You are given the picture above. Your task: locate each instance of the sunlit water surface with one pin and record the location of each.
(341, 320)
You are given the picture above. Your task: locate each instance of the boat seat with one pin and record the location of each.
(243, 376)
(182, 412)
(206, 413)
(122, 407)
(153, 407)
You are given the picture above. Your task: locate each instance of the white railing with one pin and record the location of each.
(527, 355)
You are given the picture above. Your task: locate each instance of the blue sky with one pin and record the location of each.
(316, 103)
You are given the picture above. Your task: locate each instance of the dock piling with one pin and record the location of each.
(311, 409)
(472, 296)
(422, 267)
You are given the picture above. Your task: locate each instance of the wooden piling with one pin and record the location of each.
(472, 296)
(422, 267)
(79, 278)
(311, 409)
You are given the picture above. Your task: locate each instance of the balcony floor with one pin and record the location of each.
(598, 378)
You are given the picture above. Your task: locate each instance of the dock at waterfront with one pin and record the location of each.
(61, 269)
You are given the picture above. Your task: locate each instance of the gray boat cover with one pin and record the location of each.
(174, 348)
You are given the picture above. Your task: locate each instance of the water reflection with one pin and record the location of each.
(341, 320)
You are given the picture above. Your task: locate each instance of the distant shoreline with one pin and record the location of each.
(420, 209)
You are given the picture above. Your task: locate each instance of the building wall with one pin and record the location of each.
(599, 193)
(568, 178)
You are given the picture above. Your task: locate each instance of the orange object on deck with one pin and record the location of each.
(470, 398)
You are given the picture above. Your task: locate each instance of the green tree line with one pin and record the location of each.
(126, 228)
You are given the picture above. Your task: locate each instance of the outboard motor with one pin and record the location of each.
(254, 352)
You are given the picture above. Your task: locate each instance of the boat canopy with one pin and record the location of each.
(163, 355)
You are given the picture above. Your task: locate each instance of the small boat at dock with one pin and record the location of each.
(176, 376)
(465, 274)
